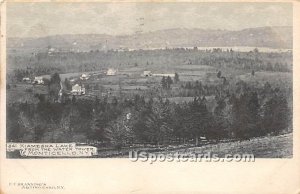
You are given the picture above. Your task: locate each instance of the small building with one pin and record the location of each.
(111, 71)
(172, 75)
(26, 79)
(84, 76)
(147, 74)
(78, 90)
(122, 49)
(128, 116)
(38, 80)
(51, 51)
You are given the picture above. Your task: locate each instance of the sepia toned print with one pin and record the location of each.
(161, 78)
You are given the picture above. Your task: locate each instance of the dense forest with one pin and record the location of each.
(247, 112)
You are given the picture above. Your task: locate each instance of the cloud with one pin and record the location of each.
(40, 19)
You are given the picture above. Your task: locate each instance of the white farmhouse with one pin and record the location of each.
(84, 76)
(38, 80)
(147, 74)
(111, 71)
(26, 79)
(128, 116)
(78, 90)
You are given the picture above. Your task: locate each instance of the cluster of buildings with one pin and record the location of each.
(36, 80)
(150, 74)
(79, 89)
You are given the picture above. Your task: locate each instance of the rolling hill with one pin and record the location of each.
(271, 37)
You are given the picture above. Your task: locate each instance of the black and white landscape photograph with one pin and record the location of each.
(155, 77)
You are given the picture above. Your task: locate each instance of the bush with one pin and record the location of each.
(29, 90)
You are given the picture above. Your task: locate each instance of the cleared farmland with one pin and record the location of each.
(280, 146)
(264, 147)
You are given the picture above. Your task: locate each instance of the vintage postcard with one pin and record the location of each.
(149, 97)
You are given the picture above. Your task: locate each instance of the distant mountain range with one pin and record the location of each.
(271, 37)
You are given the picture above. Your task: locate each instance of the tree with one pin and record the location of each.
(119, 131)
(55, 78)
(68, 84)
(91, 134)
(245, 113)
(253, 111)
(96, 87)
(219, 74)
(26, 125)
(198, 119)
(164, 82)
(54, 86)
(15, 130)
(269, 67)
(142, 133)
(276, 116)
(221, 120)
(114, 101)
(158, 122)
(46, 81)
(176, 78)
(73, 99)
(169, 82)
(179, 122)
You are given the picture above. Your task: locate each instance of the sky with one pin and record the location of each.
(44, 19)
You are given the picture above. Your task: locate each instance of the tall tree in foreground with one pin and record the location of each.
(169, 82)
(68, 84)
(164, 82)
(176, 78)
(221, 120)
(158, 122)
(277, 115)
(199, 119)
(54, 86)
(245, 113)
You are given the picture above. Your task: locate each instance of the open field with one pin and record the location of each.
(63, 76)
(264, 147)
(280, 146)
(130, 79)
(271, 77)
(194, 68)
